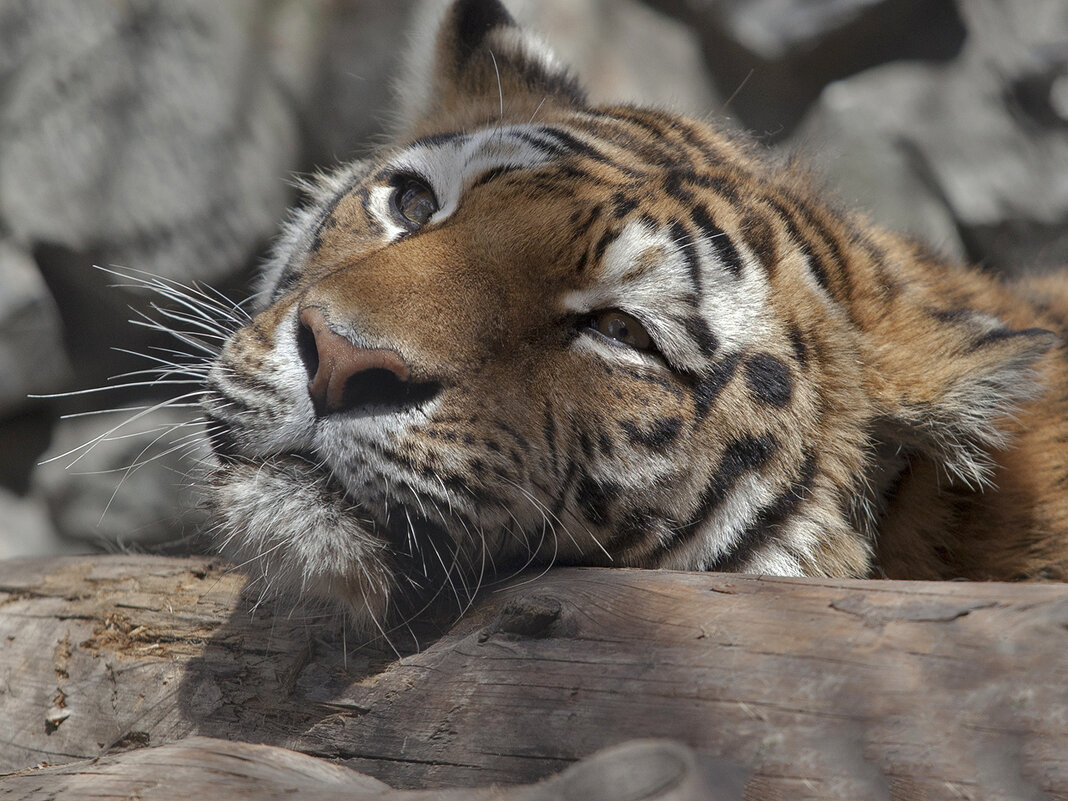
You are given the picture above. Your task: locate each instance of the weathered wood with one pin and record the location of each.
(204, 768)
(819, 689)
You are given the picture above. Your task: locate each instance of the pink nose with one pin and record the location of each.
(344, 376)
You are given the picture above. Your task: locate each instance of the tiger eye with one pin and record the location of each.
(623, 328)
(415, 203)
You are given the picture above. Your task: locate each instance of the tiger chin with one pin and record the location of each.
(535, 330)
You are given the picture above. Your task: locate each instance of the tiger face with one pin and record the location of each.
(533, 330)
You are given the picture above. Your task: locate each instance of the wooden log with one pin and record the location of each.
(816, 688)
(201, 768)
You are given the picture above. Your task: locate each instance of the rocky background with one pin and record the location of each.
(161, 135)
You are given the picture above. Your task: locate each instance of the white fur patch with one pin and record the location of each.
(644, 272)
(718, 535)
(774, 561)
(451, 167)
(299, 540)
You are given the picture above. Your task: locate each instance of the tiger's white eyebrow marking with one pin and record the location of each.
(453, 164)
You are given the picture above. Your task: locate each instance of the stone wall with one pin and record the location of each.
(160, 135)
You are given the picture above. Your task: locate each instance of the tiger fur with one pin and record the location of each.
(535, 330)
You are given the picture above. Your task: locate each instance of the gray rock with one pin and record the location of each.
(152, 133)
(32, 358)
(773, 57)
(26, 530)
(857, 138)
(972, 156)
(352, 100)
(136, 487)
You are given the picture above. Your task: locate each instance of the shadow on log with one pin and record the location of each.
(812, 688)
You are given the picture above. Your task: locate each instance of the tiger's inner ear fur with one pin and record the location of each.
(475, 65)
(946, 384)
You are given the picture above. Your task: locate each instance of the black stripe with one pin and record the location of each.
(829, 241)
(290, 275)
(436, 140)
(566, 143)
(567, 482)
(594, 498)
(763, 530)
(723, 185)
(697, 328)
(797, 341)
(585, 443)
(759, 236)
(769, 379)
(648, 378)
(683, 239)
(662, 434)
(741, 456)
(549, 430)
(1003, 334)
(491, 175)
(708, 386)
(325, 215)
(717, 238)
(672, 185)
(958, 314)
(606, 239)
(637, 527)
(815, 262)
(695, 138)
(519, 438)
(623, 205)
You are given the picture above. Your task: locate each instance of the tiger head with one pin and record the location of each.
(533, 329)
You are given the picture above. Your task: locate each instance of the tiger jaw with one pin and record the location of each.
(295, 530)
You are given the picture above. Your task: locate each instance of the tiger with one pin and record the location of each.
(533, 330)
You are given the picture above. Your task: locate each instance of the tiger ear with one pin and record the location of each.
(472, 63)
(949, 382)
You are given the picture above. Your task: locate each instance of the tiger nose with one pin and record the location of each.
(345, 377)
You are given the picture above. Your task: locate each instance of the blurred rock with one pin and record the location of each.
(971, 156)
(25, 529)
(360, 53)
(24, 436)
(96, 497)
(773, 57)
(153, 133)
(32, 358)
(854, 139)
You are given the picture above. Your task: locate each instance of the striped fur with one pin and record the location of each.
(820, 397)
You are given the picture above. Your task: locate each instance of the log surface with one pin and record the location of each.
(205, 768)
(814, 688)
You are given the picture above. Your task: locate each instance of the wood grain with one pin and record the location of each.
(814, 689)
(201, 767)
